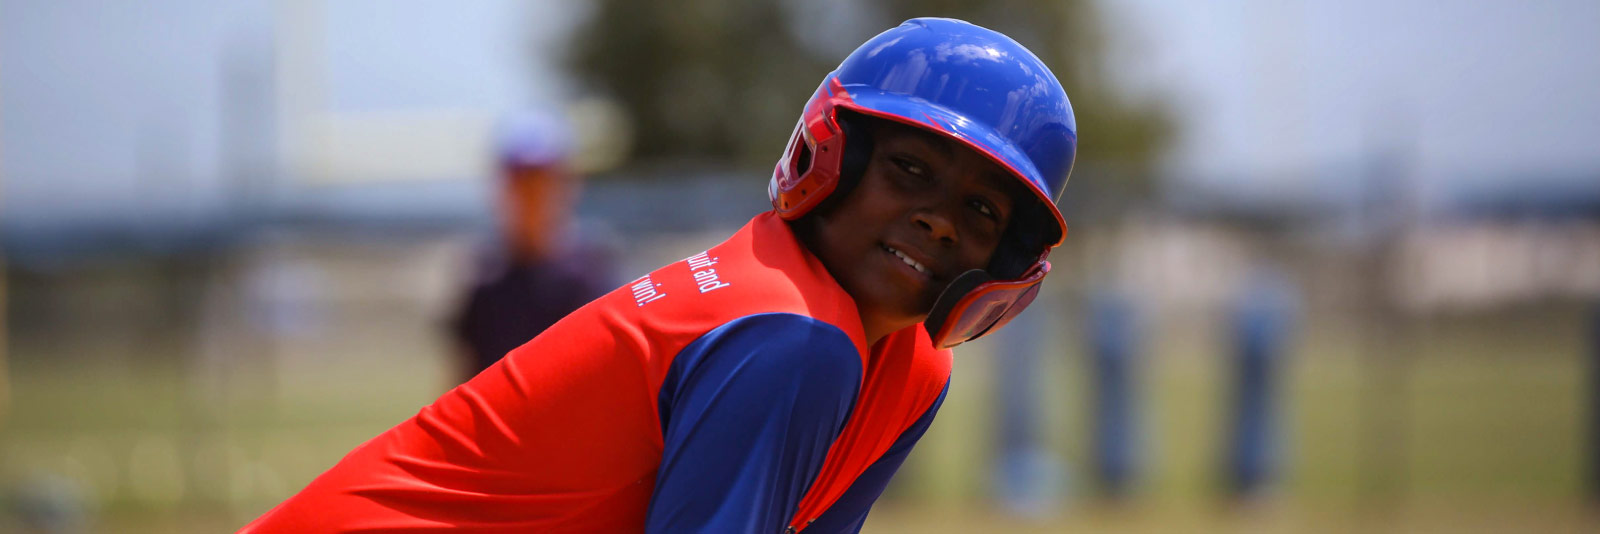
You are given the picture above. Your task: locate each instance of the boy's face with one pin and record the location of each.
(924, 198)
(536, 205)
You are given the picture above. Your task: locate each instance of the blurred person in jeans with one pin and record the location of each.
(539, 268)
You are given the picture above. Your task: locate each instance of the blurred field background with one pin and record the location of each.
(233, 230)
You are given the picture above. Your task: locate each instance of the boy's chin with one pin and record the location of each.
(902, 318)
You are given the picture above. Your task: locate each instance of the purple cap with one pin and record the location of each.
(533, 139)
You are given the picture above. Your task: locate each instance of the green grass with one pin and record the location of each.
(1459, 424)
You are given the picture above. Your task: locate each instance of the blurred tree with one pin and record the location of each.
(726, 79)
(700, 78)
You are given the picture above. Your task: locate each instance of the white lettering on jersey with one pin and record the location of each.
(704, 276)
(645, 290)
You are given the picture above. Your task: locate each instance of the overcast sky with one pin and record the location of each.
(1470, 91)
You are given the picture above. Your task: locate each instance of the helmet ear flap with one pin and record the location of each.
(802, 159)
(858, 144)
(857, 132)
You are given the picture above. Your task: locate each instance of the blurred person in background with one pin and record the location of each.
(777, 381)
(540, 267)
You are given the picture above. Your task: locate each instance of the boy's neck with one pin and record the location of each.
(874, 327)
(875, 331)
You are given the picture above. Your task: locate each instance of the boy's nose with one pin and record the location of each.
(937, 225)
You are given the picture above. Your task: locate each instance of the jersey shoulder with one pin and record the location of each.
(761, 269)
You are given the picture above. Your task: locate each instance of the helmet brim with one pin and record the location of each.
(975, 135)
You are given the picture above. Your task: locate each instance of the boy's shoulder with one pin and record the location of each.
(761, 268)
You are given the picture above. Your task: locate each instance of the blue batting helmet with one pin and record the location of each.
(975, 86)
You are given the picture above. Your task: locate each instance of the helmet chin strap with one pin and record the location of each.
(951, 296)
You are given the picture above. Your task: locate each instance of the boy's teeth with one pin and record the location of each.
(909, 261)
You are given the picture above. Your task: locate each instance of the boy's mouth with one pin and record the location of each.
(908, 260)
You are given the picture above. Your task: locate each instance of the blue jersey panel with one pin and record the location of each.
(849, 512)
(748, 412)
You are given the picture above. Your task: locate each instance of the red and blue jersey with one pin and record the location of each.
(732, 391)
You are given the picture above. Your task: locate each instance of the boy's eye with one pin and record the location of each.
(910, 166)
(984, 208)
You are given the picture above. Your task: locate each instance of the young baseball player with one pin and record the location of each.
(540, 268)
(775, 382)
